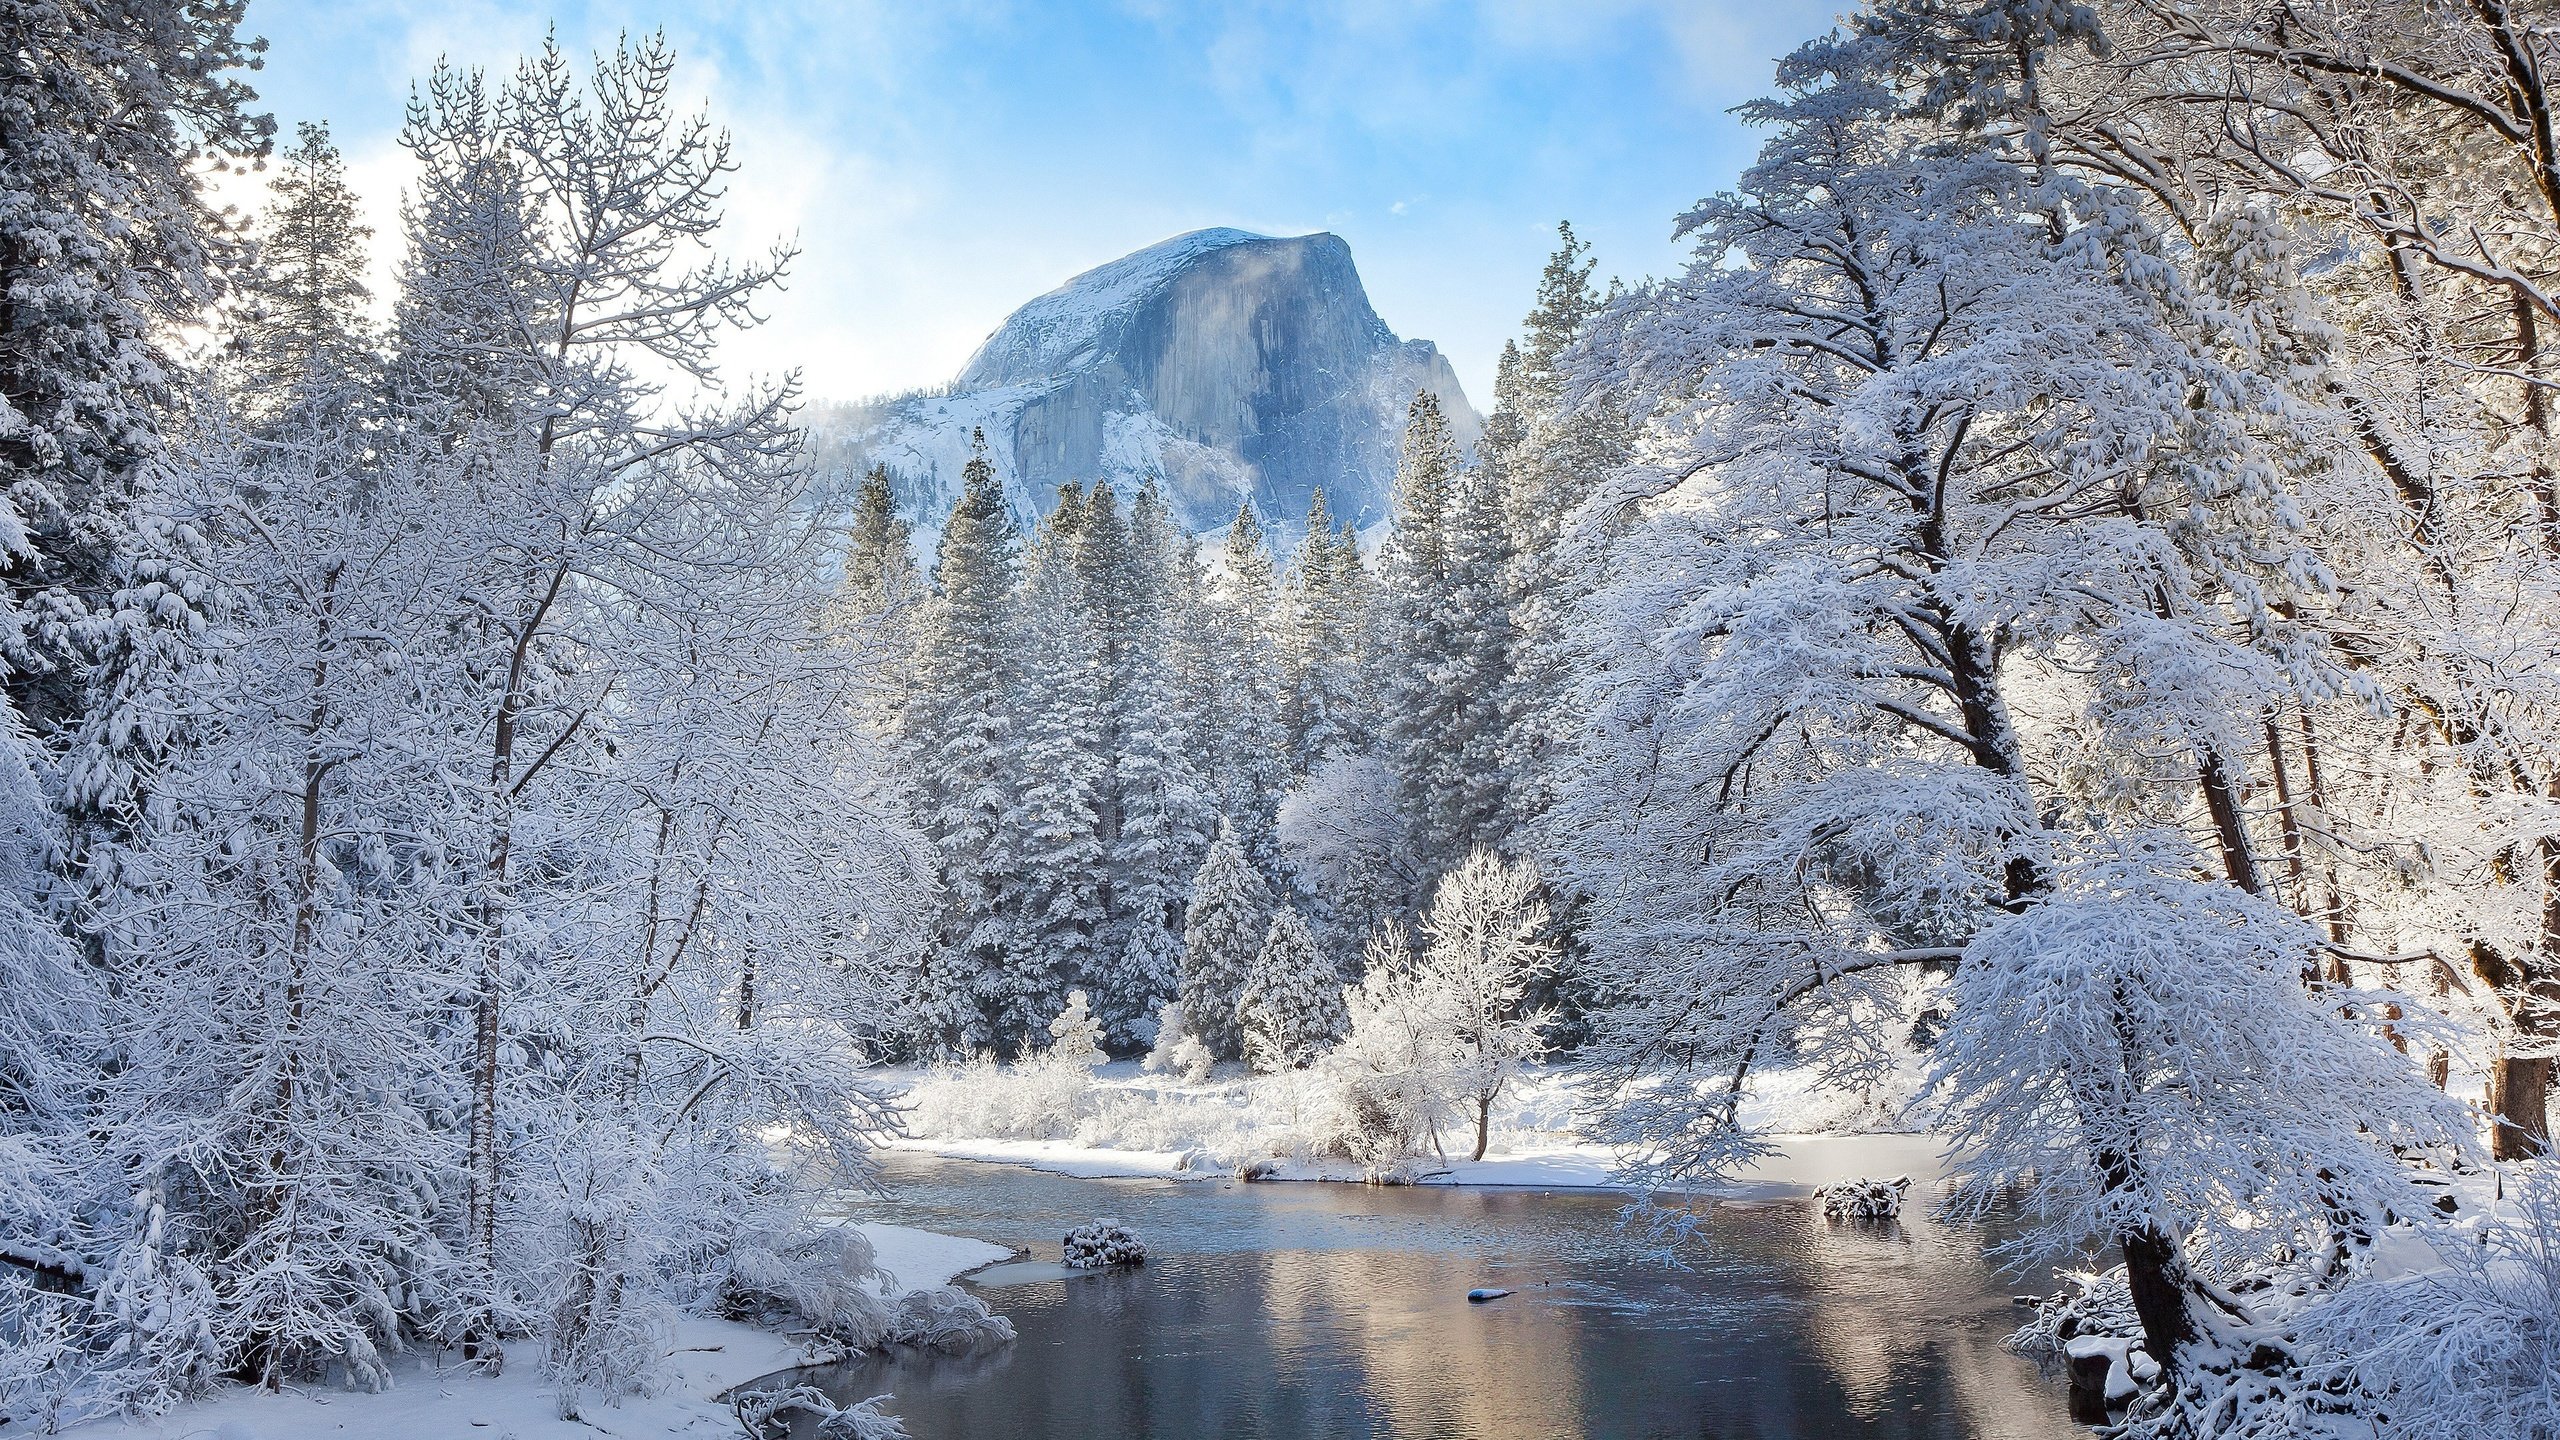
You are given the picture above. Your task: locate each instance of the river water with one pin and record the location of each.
(1307, 1310)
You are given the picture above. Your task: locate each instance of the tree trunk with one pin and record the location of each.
(1484, 1124)
(2519, 1107)
(2157, 1277)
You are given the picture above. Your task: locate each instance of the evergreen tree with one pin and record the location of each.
(879, 561)
(958, 739)
(1164, 814)
(1291, 1009)
(879, 601)
(1326, 707)
(1543, 449)
(111, 114)
(1252, 764)
(302, 315)
(1060, 768)
(1451, 645)
(1221, 934)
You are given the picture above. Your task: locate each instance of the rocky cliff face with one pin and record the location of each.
(1229, 366)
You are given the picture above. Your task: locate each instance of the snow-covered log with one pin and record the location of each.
(1863, 1199)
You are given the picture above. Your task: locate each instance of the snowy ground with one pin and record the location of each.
(436, 1400)
(1130, 1123)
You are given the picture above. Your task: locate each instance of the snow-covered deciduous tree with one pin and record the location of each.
(1390, 1069)
(1347, 848)
(1938, 467)
(1291, 1007)
(1484, 943)
(2364, 189)
(1221, 933)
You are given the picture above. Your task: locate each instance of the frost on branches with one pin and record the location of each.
(1954, 552)
(475, 815)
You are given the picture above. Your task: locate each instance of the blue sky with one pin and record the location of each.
(941, 161)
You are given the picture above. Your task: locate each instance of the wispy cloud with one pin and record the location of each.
(940, 163)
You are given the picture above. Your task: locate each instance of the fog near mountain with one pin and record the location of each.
(1228, 365)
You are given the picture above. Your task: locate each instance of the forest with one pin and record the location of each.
(2049, 617)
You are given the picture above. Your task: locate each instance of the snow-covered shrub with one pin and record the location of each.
(1291, 1009)
(980, 1098)
(826, 1280)
(1177, 1052)
(2469, 1351)
(1191, 1060)
(1863, 1199)
(1169, 1032)
(1075, 1037)
(950, 1320)
(767, 1415)
(1099, 1245)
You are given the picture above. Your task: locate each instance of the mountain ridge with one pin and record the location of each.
(1229, 366)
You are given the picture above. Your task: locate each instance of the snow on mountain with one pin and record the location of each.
(1226, 365)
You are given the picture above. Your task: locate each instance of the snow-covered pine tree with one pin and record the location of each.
(1445, 577)
(1475, 810)
(958, 740)
(1222, 931)
(112, 117)
(1290, 1012)
(1963, 449)
(878, 603)
(1165, 817)
(1252, 767)
(1326, 705)
(1422, 709)
(301, 318)
(1060, 767)
(1545, 446)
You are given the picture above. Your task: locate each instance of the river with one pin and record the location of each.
(1319, 1310)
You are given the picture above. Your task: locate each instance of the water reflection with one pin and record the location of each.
(1306, 1310)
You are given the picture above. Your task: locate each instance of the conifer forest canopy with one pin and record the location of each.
(2051, 616)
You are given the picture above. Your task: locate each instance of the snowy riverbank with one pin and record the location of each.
(1124, 1122)
(434, 1398)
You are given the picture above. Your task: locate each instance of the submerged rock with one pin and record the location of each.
(1479, 1296)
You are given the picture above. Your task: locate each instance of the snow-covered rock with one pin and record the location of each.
(1230, 365)
(1101, 1244)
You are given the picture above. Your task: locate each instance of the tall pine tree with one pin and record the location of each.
(958, 739)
